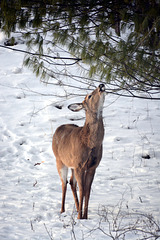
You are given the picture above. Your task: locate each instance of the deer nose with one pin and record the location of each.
(102, 87)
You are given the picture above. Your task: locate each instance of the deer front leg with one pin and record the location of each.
(88, 182)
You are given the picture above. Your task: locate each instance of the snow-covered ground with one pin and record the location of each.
(127, 182)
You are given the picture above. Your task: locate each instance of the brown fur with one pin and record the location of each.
(80, 148)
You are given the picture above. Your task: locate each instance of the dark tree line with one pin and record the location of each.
(118, 39)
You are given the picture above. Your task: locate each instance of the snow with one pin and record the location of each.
(126, 181)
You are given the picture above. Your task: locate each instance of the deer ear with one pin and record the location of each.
(75, 107)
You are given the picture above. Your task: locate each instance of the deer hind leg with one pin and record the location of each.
(88, 182)
(63, 173)
(79, 175)
(73, 183)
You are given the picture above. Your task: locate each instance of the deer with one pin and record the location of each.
(80, 149)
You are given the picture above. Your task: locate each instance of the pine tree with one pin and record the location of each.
(118, 39)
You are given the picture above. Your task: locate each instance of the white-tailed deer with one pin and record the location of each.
(80, 148)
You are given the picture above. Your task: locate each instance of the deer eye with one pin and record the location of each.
(89, 96)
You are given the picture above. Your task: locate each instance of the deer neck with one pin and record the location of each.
(93, 131)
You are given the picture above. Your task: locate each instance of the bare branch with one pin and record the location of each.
(42, 55)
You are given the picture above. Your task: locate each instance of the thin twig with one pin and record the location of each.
(48, 232)
(42, 55)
